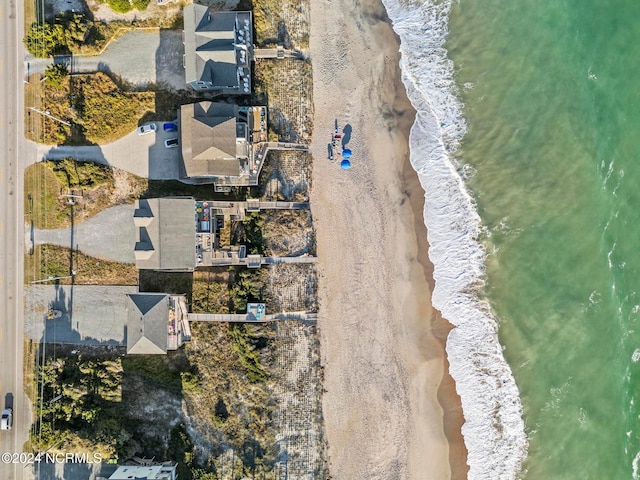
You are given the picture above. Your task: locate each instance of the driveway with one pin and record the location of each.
(91, 314)
(110, 235)
(142, 155)
(139, 56)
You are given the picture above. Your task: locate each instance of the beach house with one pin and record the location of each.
(218, 143)
(218, 50)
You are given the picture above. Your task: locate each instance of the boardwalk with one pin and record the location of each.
(253, 205)
(260, 151)
(251, 318)
(278, 52)
(255, 261)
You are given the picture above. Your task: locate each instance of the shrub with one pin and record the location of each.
(109, 113)
(120, 6)
(80, 174)
(55, 75)
(140, 4)
(247, 354)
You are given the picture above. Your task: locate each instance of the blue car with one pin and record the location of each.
(170, 127)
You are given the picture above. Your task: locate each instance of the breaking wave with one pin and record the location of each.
(493, 431)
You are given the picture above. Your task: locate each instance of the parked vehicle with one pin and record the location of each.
(170, 127)
(7, 419)
(147, 128)
(171, 143)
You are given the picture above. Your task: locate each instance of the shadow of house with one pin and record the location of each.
(218, 49)
(169, 62)
(90, 314)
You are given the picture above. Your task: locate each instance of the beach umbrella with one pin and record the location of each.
(345, 164)
(346, 153)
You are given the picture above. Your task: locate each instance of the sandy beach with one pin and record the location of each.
(390, 407)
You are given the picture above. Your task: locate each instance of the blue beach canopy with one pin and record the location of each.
(345, 164)
(346, 153)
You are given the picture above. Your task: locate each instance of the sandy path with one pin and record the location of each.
(382, 342)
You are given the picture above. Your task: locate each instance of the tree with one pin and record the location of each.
(45, 40)
(55, 75)
(76, 28)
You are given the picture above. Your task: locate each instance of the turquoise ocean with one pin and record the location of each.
(527, 142)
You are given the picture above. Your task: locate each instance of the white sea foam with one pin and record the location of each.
(634, 466)
(494, 429)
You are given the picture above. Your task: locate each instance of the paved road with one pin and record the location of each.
(11, 234)
(140, 56)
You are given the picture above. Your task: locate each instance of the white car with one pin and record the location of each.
(147, 128)
(171, 143)
(7, 419)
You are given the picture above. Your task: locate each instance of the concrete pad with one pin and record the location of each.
(110, 235)
(91, 314)
(142, 155)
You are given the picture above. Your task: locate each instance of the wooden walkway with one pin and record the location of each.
(278, 52)
(255, 205)
(256, 261)
(251, 318)
(260, 151)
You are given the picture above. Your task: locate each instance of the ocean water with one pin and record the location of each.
(527, 142)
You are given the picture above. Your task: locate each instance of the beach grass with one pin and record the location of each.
(56, 261)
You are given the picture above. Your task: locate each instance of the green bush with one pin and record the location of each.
(140, 4)
(120, 6)
(248, 355)
(55, 75)
(74, 174)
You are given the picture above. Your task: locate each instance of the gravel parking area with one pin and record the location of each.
(91, 314)
(109, 235)
(142, 155)
(139, 56)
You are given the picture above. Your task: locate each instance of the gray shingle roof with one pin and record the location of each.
(210, 45)
(147, 323)
(208, 139)
(165, 230)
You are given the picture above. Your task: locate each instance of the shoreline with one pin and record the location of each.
(448, 398)
(390, 406)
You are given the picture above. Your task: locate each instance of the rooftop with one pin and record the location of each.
(148, 318)
(165, 234)
(218, 48)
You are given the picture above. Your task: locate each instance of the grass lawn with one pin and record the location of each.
(44, 206)
(48, 184)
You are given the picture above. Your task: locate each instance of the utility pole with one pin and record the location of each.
(47, 113)
(50, 278)
(71, 197)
